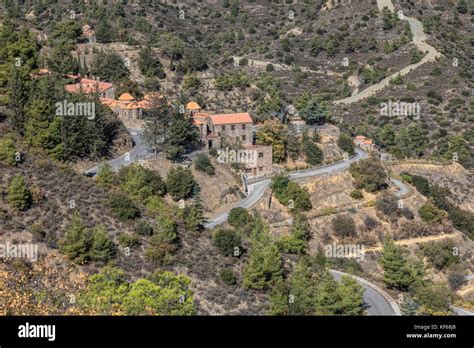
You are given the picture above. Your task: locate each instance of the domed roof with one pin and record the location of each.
(193, 106)
(126, 97)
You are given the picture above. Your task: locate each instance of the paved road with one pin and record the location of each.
(402, 187)
(419, 38)
(138, 151)
(377, 301)
(257, 190)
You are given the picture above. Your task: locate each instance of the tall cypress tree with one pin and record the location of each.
(18, 92)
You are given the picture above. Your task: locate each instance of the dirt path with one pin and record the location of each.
(261, 64)
(419, 38)
(411, 241)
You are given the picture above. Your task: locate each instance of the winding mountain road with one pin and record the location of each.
(419, 38)
(257, 189)
(378, 302)
(139, 151)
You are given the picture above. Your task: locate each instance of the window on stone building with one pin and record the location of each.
(243, 127)
(260, 155)
(232, 127)
(243, 137)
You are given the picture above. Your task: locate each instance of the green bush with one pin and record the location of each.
(344, 226)
(369, 174)
(429, 213)
(143, 228)
(129, 240)
(123, 207)
(227, 242)
(346, 144)
(441, 254)
(19, 196)
(286, 191)
(7, 151)
(387, 204)
(239, 218)
(141, 182)
(76, 241)
(357, 194)
(203, 164)
(228, 277)
(180, 183)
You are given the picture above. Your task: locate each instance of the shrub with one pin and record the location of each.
(143, 228)
(226, 241)
(286, 191)
(456, 279)
(369, 174)
(76, 241)
(346, 144)
(440, 254)
(123, 207)
(313, 153)
(370, 222)
(141, 182)
(7, 151)
(429, 213)
(203, 164)
(228, 277)
(357, 194)
(344, 225)
(239, 218)
(102, 248)
(19, 197)
(180, 183)
(129, 240)
(269, 67)
(387, 204)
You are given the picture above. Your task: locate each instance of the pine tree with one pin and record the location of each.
(157, 125)
(101, 246)
(397, 272)
(350, 297)
(302, 289)
(408, 306)
(265, 265)
(327, 298)
(19, 197)
(105, 176)
(194, 217)
(279, 299)
(76, 241)
(18, 99)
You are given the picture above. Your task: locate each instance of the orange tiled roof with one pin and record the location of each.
(200, 118)
(88, 86)
(360, 137)
(243, 117)
(108, 102)
(193, 106)
(368, 141)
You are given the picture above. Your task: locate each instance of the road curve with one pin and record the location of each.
(378, 302)
(257, 190)
(418, 39)
(139, 151)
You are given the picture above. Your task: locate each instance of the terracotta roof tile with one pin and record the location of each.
(231, 118)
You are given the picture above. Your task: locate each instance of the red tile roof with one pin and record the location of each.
(231, 118)
(88, 86)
